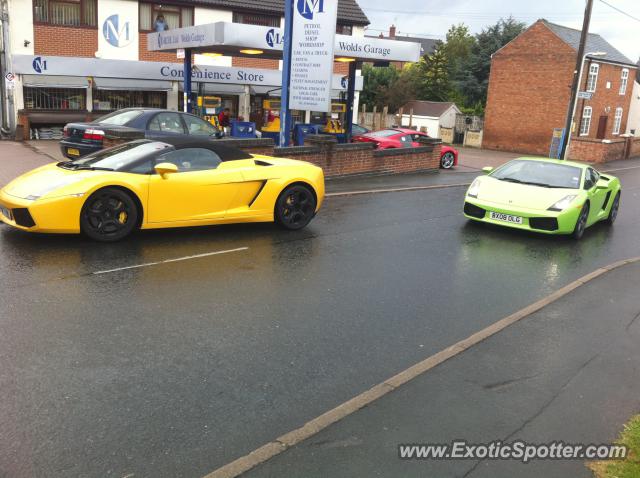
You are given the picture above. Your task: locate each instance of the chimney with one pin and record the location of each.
(381, 35)
(392, 31)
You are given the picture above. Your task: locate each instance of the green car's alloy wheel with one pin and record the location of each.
(613, 213)
(295, 207)
(108, 215)
(447, 160)
(581, 224)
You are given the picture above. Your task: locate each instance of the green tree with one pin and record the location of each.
(377, 83)
(432, 76)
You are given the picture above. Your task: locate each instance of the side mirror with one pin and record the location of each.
(165, 168)
(487, 169)
(602, 184)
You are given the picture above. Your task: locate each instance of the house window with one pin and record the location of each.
(617, 121)
(174, 16)
(624, 79)
(73, 13)
(586, 121)
(344, 29)
(255, 19)
(55, 98)
(592, 79)
(111, 100)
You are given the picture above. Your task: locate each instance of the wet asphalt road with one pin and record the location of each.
(178, 368)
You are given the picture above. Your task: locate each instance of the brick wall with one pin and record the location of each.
(145, 55)
(634, 150)
(244, 62)
(347, 159)
(64, 41)
(595, 151)
(528, 92)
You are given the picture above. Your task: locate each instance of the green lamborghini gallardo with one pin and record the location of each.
(544, 195)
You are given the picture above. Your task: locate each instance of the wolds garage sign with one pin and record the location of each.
(313, 39)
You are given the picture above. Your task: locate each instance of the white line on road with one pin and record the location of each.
(393, 190)
(166, 261)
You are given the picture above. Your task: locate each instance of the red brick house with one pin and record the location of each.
(529, 89)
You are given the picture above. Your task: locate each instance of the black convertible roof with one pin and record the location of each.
(226, 153)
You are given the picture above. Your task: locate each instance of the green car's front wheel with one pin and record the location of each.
(581, 223)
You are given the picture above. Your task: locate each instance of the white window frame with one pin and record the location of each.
(624, 80)
(592, 77)
(585, 124)
(617, 120)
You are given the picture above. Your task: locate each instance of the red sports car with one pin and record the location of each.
(406, 138)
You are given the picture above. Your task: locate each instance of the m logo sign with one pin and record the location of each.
(307, 8)
(39, 64)
(116, 31)
(274, 38)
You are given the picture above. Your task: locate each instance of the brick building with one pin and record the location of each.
(78, 59)
(529, 89)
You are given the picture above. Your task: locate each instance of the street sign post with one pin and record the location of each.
(557, 141)
(312, 47)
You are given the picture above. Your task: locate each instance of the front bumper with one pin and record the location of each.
(546, 222)
(54, 215)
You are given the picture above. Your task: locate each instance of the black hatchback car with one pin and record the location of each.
(84, 138)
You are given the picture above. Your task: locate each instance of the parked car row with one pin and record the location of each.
(81, 139)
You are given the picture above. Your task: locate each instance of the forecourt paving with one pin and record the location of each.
(568, 372)
(178, 368)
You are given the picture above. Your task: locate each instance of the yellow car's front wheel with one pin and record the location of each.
(109, 214)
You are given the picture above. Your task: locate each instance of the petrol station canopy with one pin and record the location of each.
(238, 39)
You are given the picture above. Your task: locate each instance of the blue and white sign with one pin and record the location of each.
(312, 45)
(39, 64)
(117, 31)
(274, 38)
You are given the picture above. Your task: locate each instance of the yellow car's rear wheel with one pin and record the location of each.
(109, 214)
(295, 207)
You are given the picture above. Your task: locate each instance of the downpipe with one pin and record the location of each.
(5, 130)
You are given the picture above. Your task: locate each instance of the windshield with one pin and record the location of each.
(119, 118)
(118, 158)
(383, 133)
(539, 173)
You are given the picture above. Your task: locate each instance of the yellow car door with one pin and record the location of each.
(199, 188)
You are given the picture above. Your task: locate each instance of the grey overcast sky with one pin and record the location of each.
(433, 18)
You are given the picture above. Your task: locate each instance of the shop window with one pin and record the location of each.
(66, 12)
(344, 29)
(592, 79)
(617, 121)
(256, 19)
(585, 125)
(55, 98)
(624, 79)
(111, 100)
(155, 17)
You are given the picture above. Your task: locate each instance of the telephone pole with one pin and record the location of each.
(576, 74)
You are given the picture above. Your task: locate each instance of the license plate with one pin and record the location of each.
(73, 152)
(5, 212)
(498, 216)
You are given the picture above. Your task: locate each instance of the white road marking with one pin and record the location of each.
(166, 261)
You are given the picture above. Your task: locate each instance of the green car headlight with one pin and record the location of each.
(563, 203)
(474, 189)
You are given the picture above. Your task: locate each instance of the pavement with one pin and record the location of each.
(568, 372)
(223, 338)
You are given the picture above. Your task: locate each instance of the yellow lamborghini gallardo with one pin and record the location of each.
(155, 184)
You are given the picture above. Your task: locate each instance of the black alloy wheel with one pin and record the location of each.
(109, 214)
(615, 207)
(295, 207)
(581, 223)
